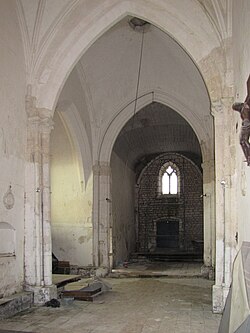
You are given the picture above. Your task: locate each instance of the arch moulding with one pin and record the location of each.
(102, 178)
(203, 131)
(77, 31)
(63, 51)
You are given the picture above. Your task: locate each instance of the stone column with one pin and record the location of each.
(96, 185)
(209, 216)
(102, 216)
(46, 125)
(225, 198)
(38, 263)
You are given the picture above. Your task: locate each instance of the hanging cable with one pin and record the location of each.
(128, 138)
(136, 94)
(139, 72)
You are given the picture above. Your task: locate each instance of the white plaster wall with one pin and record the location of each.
(12, 141)
(71, 200)
(122, 190)
(241, 58)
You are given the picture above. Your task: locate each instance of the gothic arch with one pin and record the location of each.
(204, 134)
(102, 179)
(62, 51)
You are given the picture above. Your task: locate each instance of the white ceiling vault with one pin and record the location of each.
(84, 53)
(57, 32)
(40, 18)
(103, 87)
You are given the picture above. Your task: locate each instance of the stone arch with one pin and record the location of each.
(77, 30)
(64, 51)
(145, 99)
(205, 137)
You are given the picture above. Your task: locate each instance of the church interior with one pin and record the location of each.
(124, 154)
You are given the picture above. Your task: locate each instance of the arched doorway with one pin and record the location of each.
(102, 119)
(144, 218)
(202, 124)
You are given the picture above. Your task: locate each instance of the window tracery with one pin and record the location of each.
(169, 179)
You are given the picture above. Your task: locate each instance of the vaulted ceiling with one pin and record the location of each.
(154, 130)
(57, 32)
(125, 65)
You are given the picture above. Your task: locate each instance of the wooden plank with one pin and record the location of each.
(76, 293)
(88, 298)
(81, 297)
(62, 279)
(84, 294)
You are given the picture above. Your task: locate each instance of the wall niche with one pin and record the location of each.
(8, 240)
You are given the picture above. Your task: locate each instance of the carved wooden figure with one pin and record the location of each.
(244, 109)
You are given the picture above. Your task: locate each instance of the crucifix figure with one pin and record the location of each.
(244, 109)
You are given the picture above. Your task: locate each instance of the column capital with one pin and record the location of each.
(46, 124)
(38, 117)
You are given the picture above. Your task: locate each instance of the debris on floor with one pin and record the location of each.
(61, 280)
(87, 293)
(85, 290)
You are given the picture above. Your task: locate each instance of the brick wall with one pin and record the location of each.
(186, 208)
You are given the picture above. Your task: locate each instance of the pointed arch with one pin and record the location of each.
(62, 51)
(169, 180)
(203, 131)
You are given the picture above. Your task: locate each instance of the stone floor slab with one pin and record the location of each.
(133, 306)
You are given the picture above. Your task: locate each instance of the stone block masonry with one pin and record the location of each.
(9, 306)
(186, 208)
